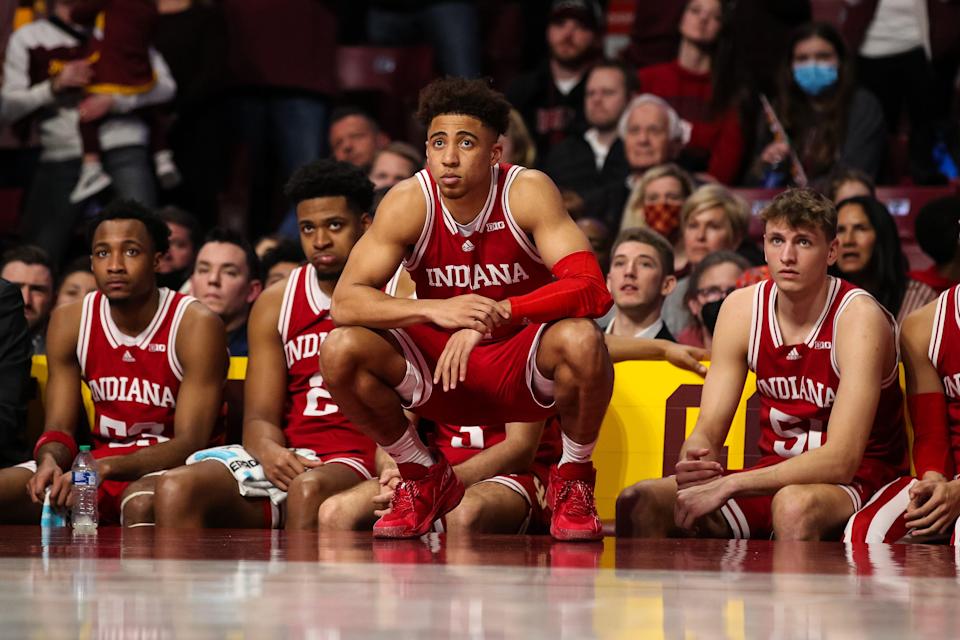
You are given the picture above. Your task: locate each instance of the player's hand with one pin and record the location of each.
(61, 491)
(697, 501)
(693, 470)
(452, 363)
(467, 312)
(75, 74)
(687, 358)
(389, 480)
(48, 472)
(934, 507)
(281, 466)
(94, 107)
(775, 152)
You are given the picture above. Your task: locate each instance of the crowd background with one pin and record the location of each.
(679, 116)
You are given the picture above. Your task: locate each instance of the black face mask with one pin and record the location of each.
(709, 313)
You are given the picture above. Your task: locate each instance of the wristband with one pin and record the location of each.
(56, 436)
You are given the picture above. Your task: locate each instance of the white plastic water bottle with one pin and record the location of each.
(83, 516)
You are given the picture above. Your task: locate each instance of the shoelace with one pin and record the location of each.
(403, 497)
(580, 498)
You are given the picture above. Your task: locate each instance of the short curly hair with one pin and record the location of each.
(466, 97)
(157, 229)
(803, 208)
(329, 178)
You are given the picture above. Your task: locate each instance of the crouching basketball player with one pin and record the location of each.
(505, 283)
(298, 449)
(926, 507)
(155, 364)
(832, 434)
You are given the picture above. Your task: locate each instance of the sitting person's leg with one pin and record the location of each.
(311, 489)
(206, 494)
(16, 507)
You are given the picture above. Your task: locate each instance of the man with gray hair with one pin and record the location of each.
(652, 133)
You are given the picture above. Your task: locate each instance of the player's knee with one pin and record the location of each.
(338, 357)
(581, 342)
(334, 514)
(310, 489)
(138, 509)
(176, 493)
(794, 513)
(466, 517)
(637, 506)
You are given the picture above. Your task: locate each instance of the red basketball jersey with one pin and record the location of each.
(945, 356)
(798, 383)
(460, 443)
(134, 380)
(312, 421)
(491, 256)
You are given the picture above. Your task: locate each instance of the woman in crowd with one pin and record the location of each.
(518, 145)
(710, 282)
(712, 219)
(656, 201)
(870, 256)
(76, 281)
(829, 120)
(700, 91)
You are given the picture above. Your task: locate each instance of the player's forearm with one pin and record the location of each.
(708, 437)
(360, 305)
(820, 466)
(501, 458)
(165, 455)
(260, 434)
(624, 348)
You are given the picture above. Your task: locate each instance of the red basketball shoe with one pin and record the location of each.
(424, 495)
(570, 496)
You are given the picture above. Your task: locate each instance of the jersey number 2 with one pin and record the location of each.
(315, 395)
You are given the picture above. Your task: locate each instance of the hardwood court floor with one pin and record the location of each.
(143, 583)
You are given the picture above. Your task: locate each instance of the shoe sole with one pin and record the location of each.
(400, 533)
(575, 535)
(92, 190)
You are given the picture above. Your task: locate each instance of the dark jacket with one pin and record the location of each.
(14, 375)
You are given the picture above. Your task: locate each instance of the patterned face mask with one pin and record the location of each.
(662, 217)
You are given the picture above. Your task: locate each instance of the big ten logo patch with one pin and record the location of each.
(677, 426)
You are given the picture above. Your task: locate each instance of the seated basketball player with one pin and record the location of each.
(499, 331)
(830, 401)
(298, 449)
(925, 507)
(156, 394)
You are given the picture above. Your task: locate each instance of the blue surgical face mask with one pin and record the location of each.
(815, 77)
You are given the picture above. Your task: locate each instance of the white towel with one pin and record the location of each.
(247, 470)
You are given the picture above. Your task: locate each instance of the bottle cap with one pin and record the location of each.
(84, 447)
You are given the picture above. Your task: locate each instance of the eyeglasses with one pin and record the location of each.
(711, 294)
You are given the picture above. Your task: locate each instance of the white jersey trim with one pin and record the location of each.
(832, 290)
(518, 234)
(318, 300)
(756, 326)
(418, 249)
(481, 218)
(86, 323)
(172, 358)
(412, 354)
(116, 337)
(286, 305)
(936, 333)
(894, 374)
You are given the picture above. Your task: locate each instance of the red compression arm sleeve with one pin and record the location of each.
(931, 442)
(579, 292)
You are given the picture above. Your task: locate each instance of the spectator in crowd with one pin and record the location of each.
(829, 120)
(640, 278)
(653, 36)
(280, 62)
(844, 182)
(656, 200)
(694, 84)
(870, 257)
(518, 146)
(395, 162)
(29, 268)
(192, 37)
(550, 97)
(355, 137)
(266, 243)
(227, 280)
(652, 134)
(598, 234)
(177, 263)
(593, 163)
(449, 25)
(277, 263)
(45, 73)
(14, 375)
(710, 282)
(893, 41)
(712, 219)
(76, 281)
(937, 229)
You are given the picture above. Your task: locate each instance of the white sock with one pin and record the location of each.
(409, 448)
(574, 451)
